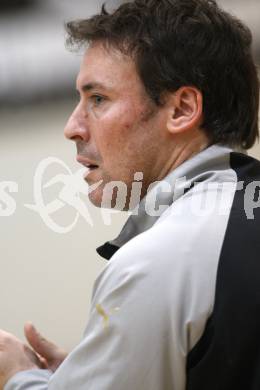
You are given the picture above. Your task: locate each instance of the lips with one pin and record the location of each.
(86, 162)
(91, 166)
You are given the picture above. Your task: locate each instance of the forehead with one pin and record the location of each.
(109, 68)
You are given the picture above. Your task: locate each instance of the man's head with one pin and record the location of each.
(171, 72)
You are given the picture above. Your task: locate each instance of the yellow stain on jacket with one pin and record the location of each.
(105, 315)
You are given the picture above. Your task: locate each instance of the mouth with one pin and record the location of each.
(86, 162)
(90, 165)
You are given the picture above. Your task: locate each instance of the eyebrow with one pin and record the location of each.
(88, 87)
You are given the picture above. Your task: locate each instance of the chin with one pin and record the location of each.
(100, 199)
(95, 200)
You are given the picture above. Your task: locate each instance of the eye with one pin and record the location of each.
(97, 99)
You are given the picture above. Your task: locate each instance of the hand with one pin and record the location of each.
(15, 356)
(49, 354)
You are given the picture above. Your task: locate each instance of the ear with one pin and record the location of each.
(185, 110)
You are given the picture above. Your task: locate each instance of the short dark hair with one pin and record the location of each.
(186, 42)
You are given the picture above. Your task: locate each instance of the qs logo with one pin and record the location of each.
(72, 186)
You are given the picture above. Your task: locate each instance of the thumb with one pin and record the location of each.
(53, 355)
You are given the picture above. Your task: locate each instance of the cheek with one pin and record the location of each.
(113, 138)
(120, 140)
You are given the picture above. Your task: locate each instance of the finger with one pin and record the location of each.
(39, 343)
(45, 348)
(43, 361)
(36, 359)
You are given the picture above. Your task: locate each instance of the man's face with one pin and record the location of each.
(115, 126)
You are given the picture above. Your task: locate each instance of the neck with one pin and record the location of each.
(185, 148)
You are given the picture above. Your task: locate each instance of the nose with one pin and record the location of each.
(76, 127)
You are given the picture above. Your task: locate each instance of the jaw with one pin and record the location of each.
(116, 195)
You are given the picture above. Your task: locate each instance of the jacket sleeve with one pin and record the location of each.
(125, 340)
(33, 380)
(126, 337)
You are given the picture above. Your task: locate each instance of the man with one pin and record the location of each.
(168, 91)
